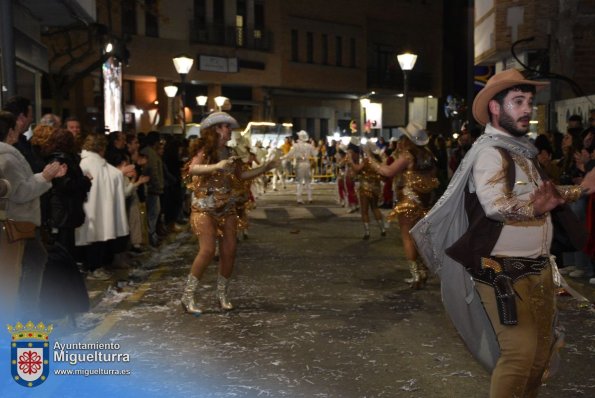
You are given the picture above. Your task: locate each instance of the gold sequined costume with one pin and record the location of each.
(241, 193)
(369, 195)
(419, 181)
(369, 182)
(212, 199)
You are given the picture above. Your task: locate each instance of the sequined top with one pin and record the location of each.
(213, 192)
(419, 182)
(369, 180)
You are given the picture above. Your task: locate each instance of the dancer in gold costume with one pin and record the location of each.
(210, 175)
(418, 168)
(241, 189)
(369, 187)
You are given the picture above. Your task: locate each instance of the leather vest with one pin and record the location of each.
(483, 232)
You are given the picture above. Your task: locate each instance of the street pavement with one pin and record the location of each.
(319, 313)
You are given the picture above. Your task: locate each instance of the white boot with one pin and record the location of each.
(188, 296)
(381, 225)
(366, 231)
(222, 287)
(299, 193)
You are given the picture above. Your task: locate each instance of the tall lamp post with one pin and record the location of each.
(220, 101)
(407, 62)
(171, 92)
(201, 100)
(183, 63)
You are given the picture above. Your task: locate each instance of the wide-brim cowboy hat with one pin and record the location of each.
(218, 118)
(500, 81)
(303, 136)
(416, 133)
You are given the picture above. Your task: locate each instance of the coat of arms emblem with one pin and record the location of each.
(29, 353)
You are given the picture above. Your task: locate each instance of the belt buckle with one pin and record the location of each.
(488, 263)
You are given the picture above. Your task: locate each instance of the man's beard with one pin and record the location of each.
(508, 124)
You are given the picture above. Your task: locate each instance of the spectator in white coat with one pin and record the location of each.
(105, 209)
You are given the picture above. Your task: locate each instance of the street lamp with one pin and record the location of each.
(183, 63)
(171, 92)
(219, 101)
(407, 62)
(201, 100)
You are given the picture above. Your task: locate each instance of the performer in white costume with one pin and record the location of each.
(302, 151)
(272, 153)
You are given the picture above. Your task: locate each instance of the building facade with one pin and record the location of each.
(551, 40)
(304, 62)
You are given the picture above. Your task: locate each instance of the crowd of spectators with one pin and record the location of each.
(95, 200)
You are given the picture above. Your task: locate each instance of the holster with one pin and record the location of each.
(505, 299)
(501, 273)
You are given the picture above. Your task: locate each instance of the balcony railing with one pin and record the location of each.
(230, 36)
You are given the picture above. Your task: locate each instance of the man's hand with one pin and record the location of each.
(545, 198)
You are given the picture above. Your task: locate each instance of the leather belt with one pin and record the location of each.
(501, 273)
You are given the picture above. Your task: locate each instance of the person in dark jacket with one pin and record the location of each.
(68, 194)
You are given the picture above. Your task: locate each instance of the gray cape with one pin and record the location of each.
(444, 224)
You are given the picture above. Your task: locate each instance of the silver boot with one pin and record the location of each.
(222, 287)
(188, 296)
(419, 273)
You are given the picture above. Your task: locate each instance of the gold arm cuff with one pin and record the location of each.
(570, 193)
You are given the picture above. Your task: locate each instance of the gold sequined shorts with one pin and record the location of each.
(202, 222)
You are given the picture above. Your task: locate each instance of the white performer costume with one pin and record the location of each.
(302, 151)
(260, 153)
(277, 172)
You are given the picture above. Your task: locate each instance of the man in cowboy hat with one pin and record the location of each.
(489, 237)
(302, 152)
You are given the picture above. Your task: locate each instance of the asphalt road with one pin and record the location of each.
(320, 313)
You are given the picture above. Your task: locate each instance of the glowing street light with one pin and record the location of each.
(170, 90)
(219, 101)
(201, 100)
(183, 63)
(407, 62)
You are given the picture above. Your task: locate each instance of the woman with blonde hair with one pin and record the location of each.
(210, 174)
